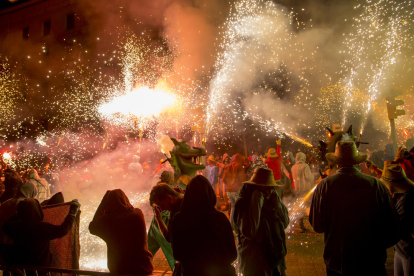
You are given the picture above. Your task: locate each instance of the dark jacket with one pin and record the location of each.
(31, 235)
(202, 237)
(234, 174)
(358, 218)
(260, 221)
(12, 183)
(123, 229)
(404, 204)
(9, 208)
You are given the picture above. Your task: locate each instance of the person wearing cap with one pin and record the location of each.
(356, 214)
(402, 190)
(260, 219)
(274, 162)
(212, 172)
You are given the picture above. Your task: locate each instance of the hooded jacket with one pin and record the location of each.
(43, 189)
(31, 235)
(260, 221)
(9, 208)
(123, 229)
(135, 168)
(202, 237)
(222, 166)
(234, 174)
(12, 183)
(301, 174)
(275, 164)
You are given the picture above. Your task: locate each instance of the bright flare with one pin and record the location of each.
(6, 155)
(141, 102)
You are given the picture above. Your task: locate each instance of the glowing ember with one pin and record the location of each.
(6, 156)
(143, 102)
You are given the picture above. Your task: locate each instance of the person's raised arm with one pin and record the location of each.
(161, 224)
(50, 232)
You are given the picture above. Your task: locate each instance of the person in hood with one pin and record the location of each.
(12, 183)
(9, 208)
(31, 235)
(135, 168)
(303, 180)
(302, 175)
(43, 189)
(123, 229)
(260, 219)
(274, 161)
(233, 177)
(202, 237)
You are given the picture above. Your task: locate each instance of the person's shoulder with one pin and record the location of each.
(137, 212)
(218, 218)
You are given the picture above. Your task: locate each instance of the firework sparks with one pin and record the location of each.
(141, 102)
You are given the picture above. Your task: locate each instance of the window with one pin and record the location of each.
(46, 28)
(70, 21)
(26, 33)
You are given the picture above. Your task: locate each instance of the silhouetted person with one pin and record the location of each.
(260, 219)
(166, 203)
(9, 208)
(233, 177)
(12, 183)
(31, 235)
(402, 190)
(123, 229)
(356, 214)
(202, 237)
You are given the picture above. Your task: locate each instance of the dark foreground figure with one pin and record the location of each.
(260, 219)
(202, 237)
(402, 190)
(122, 227)
(32, 236)
(357, 216)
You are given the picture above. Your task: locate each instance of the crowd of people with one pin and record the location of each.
(362, 206)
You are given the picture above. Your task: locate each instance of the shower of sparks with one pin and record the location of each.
(141, 101)
(260, 54)
(378, 49)
(262, 62)
(297, 209)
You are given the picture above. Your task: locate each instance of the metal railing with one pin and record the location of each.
(49, 271)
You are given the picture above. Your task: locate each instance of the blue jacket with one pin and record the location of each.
(212, 174)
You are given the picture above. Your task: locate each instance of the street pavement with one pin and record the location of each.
(304, 257)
